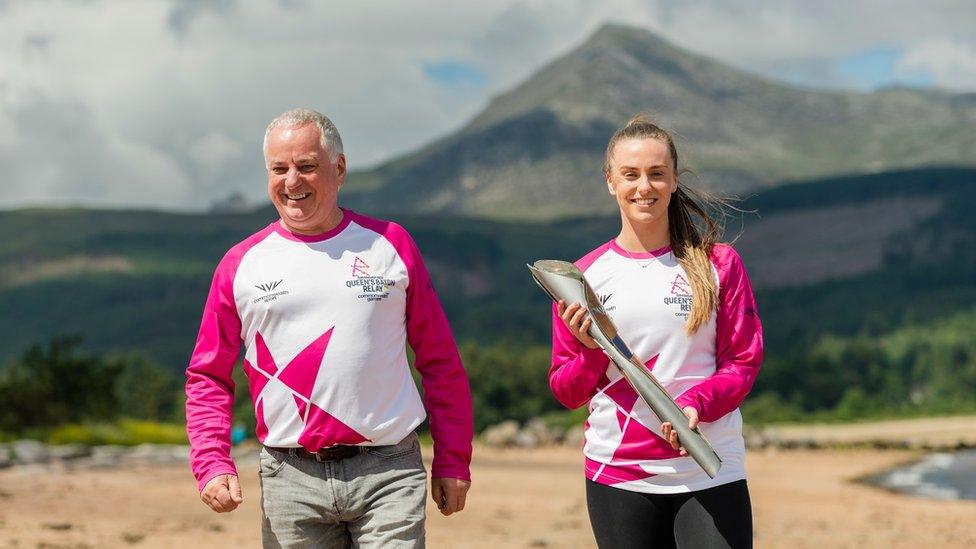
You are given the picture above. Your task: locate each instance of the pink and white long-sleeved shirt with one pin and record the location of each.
(649, 298)
(324, 321)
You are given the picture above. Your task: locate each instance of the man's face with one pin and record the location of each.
(303, 181)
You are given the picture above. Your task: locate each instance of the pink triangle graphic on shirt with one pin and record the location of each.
(640, 443)
(622, 393)
(299, 375)
(261, 430)
(255, 380)
(265, 360)
(323, 430)
(629, 473)
(302, 406)
(621, 418)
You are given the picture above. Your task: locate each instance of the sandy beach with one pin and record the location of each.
(520, 498)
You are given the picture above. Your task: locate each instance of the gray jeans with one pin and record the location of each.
(373, 499)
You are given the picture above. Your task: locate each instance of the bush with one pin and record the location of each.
(125, 433)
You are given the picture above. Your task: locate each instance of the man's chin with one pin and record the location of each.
(295, 217)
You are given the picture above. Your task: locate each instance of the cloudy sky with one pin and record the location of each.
(163, 103)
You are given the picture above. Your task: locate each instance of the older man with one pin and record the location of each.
(325, 301)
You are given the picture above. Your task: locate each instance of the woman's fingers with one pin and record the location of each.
(671, 435)
(568, 312)
(585, 327)
(578, 320)
(578, 317)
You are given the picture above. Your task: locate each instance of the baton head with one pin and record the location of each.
(557, 267)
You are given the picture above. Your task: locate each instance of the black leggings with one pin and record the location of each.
(716, 517)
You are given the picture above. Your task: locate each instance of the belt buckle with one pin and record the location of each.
(334, 453)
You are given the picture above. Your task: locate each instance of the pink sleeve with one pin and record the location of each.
(447, 394)
(209, 387)
(738, 342)
(576, 369)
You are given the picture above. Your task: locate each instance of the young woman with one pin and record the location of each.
(684, 305)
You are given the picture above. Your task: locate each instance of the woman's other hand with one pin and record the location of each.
(578, 320)
(671, 435)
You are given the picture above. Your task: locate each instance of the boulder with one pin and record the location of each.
(502, 434)
(106, 457)
(27, 452)
(574, 437)
(526, 439)
(543, 434)
(63, 452)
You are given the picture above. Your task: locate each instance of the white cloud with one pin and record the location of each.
(951, 63)
(164, 103)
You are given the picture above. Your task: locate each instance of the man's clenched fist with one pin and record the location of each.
(223, 493)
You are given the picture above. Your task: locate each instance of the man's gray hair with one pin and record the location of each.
(329, 137)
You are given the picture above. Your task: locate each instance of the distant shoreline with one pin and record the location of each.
(931, 434)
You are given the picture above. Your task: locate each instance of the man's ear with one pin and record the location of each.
(341, 169)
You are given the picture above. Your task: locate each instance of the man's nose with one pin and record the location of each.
(291, 178)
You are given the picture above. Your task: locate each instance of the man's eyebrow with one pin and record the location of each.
(303, 158)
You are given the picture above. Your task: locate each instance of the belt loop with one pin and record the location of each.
(293, 451)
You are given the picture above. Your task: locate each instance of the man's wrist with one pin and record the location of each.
(210, 475)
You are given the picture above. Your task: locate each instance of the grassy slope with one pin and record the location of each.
(478, 267)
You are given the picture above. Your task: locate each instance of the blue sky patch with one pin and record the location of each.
(875, 68)
(450, 72)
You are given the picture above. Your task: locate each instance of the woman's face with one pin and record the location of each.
(642, 178)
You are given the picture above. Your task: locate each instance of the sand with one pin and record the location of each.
(520, 498)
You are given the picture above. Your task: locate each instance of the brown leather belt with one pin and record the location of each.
(333, 453)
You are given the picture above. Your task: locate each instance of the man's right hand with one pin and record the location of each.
(223, 493)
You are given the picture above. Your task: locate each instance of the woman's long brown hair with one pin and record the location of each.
(695, 223)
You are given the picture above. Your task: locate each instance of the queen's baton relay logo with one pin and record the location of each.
(372, 288)
(680, 296)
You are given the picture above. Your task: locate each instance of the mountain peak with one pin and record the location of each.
(536, 151)
(615, 32)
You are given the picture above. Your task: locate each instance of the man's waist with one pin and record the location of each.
(332, 453)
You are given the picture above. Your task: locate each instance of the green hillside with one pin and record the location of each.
(136, 280)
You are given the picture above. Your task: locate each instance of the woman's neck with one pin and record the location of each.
(643, 238)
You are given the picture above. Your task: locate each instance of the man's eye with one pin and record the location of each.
(278, 170)
(306, 168)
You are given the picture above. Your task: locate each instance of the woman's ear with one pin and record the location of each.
(610, 187)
